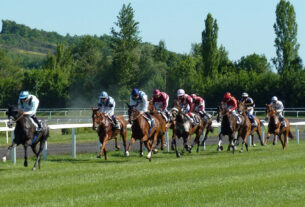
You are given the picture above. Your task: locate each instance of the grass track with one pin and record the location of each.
(264, 176)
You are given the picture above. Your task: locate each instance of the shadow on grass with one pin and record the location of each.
(86, 161)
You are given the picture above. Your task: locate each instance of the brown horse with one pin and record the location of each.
(274, 126)
(104, 127)
(207, 126)
(228, 127)
(184, 128)
(142, 131)
(258, 129)
(164, 126)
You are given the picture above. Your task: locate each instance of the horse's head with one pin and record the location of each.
(133, 113)
(220, 112)
(13, 114)
(241, 107)
(151, 107)
(270, 111)
(98, 119)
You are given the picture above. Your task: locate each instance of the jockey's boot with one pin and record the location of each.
(164, 116)
(253, 122)
(283, 123)
(150, 120)
(39, 128)
(116, 123)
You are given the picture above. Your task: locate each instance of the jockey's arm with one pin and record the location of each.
(34, 106)
(145, 102)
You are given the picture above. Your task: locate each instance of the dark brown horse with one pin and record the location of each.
(25, 134)
(104, 127)
(274, 126)
(184, 128)
(228, 127)
(141, 130)
(258, 129)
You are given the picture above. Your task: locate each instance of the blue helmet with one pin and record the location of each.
(104, 94)
(23, 94)
(135, 92)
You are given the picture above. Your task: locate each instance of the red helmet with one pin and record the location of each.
(157, 92)
(227, 95)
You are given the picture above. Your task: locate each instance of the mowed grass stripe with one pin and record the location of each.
(264, 176)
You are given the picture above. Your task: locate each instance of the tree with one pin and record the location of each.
(210, 55)
(286, 44)
(255, 63)
(123, 46)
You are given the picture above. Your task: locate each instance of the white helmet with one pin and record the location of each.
(244, 95)
(180, 92)
(104, 94)
(274, 99)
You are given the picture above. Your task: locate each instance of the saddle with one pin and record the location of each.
(150, 120)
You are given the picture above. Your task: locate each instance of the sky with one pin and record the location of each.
(245, 26)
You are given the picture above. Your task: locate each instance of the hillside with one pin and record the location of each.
(29, 46)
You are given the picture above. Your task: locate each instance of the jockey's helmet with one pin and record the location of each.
(135, 92)
(227, 95)
(157, 93)
(274, 99)
(193, 95)
(244, 95)
(23, 95)
(103, 95)
(180, 92)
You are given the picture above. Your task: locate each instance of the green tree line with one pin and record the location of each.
(76, 69)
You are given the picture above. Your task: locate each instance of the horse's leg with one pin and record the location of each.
(141, 148)
(132, 141)
(38, 156)
(281, 139)
(25, 155)
(220, 147)
(259, 134)
(105, 153)
(174, 143)
(205, 138)
(8, 150)
(124, 135)
(268, 136)
(104, 140)
(152, 146)
(197, 139)
(117, 146)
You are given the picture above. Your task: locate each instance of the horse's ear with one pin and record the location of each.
(266, 104)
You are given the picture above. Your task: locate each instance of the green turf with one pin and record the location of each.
(264, 176)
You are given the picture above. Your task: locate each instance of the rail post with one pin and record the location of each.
(73, 143)
(203, 146)
(297, 132)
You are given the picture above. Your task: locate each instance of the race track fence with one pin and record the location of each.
(87, 125)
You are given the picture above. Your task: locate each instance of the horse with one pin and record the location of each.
(274, 126)
(164, 126)
(141, 130)
(184, 128)
(104, 127)
(258, 129)
(206, 125)
(228, 127)
(25, 134)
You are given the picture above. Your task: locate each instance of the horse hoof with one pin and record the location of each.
(155, 151)
(240, 151)
(141, 154)
(254, 145)
(117, 148)
(4, 159)
(178, 155)
(34, 168)
(99, 156)
(127, 154)
(25, 164)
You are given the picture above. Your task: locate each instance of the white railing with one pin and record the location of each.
(87, 125)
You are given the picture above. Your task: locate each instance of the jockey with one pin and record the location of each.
(139, 100)
(186, 103)
(230, 104)
(106, 105)
(160, 101)
(29, 104)
(199, 106)
(249, 106)
(278, 106)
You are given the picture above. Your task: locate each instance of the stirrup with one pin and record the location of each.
(39, 129)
